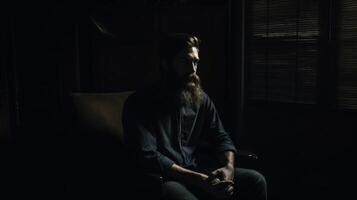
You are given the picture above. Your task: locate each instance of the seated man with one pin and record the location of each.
(166, 124)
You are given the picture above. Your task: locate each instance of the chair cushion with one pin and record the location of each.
(100, 113)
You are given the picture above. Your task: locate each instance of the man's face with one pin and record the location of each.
(183, 70)
(184, 66)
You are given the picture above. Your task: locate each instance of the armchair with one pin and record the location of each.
(99, 133)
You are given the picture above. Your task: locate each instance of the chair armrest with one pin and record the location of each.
(246, 154)
(247, 159)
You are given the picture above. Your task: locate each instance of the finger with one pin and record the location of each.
(222, 185)
(214, 173)
(227, 182)
(229, 189)
(231, 192)
(214, 181)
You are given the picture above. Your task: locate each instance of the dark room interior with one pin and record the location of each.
(282, 74)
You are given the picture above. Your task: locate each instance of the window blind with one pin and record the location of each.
(282, 50)
(347, 54)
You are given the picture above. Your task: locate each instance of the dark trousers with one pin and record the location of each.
(249, 185)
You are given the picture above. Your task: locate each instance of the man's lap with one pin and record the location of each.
(246, 182)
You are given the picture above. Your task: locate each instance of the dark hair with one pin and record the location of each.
(172, 44)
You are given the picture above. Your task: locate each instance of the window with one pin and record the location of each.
(282, 50)
(347, 54)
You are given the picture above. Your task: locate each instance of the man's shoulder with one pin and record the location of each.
(207, 103)
(206, 98)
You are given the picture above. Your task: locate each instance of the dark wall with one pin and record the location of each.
(133, 53)
(55, 48)
(40, 65)
(306, 152)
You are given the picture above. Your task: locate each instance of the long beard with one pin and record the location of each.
(191, 91)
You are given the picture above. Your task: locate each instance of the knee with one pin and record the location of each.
(256, 178)
(170, 185)
(252, 184)
(260, 179)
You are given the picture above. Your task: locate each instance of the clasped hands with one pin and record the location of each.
(220, 182)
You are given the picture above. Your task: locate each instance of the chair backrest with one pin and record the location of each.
(100, 113)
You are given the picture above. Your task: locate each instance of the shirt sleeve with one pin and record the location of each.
(220, 138)
(140, 141)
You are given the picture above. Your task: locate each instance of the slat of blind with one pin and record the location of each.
(347, 65)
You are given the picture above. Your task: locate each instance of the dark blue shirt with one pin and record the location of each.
(159, 132)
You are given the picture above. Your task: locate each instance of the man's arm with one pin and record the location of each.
(226, 171)
(227, 159)
(187, 176)
(140, 141)
(214, 129)
(224, 146)
(223, 143)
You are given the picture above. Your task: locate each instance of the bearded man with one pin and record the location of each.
(167, 124)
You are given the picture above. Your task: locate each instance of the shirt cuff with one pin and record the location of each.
(227, 147)
(165, 164)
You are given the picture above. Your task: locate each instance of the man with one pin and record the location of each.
(167, 125)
